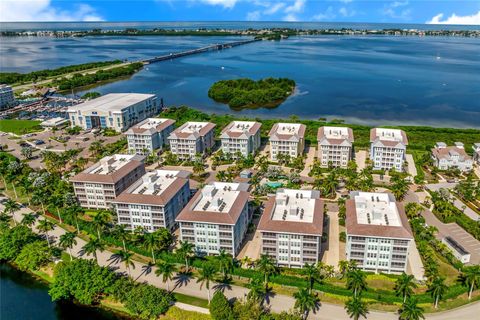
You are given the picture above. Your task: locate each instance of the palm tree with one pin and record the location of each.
(356, 281)
(11, 207)
(267, 266)
(356, 308)
(151, 243)
(44, 226)
(257, 291)
(205, 275)
(471, 278)
(126, 258)
(247, 261)
(437, 289)
(225, 261)
(121, 233)
(67, 241)
(186, 251)
(410, 310)
(312, 273)
(100, 220)
(404, 286)
(343, 267)
(166, 270)
(306, 302)
(91, 247)
(29, 219)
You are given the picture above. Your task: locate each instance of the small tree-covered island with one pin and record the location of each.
(248, 93)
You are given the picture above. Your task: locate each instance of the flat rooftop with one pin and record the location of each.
(237, 129)
(151, 123)
(111, 102)
(294, 205)
(110, 164)
(384, 134)
(336, 132)
(192, 127)
(376, 209)
(219, 196)
(150, 126)
(288, 128)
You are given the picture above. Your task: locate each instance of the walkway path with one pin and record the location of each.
(331, 254)
(308, 161)
(360, 158)
(412, 170)
(278, 303)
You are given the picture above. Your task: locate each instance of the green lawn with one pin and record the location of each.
(20, 126)
(194, 301)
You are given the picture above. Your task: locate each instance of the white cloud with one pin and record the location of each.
(254, 16)
(274, 8)
(325, 16)
(224, 3)
(42, 10)
(296, 7)
(397, 4)
(473, 19)
(347, 12)
(394, 10)
(345, 1)
(290, 17)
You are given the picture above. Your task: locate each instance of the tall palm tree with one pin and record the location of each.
(67, 241)
(225, 261)
(404, 286)
(121, 233)
(91, 247)
(343, 267)
(205, 275)
(44, 226)
(186, 251)
(100, 220)
(410, 310)
(267, 266)
(167, 271)
(312, 273)
(305, 302)
(257, 291)
(356, 281)
(29, 219)
(470, 277)
(127, 258)
(151, 243)
(11, 207)
(437, 289)
(247, 261)
(356, 308)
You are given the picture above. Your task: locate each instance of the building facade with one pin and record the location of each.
(97, 186)
(378, 232)
(117, 111)
(192, 138)
(216, 218)
(291, 227)
(476, 152)
(241, 137)
(335, 146)
(153, 201)
(7, 99)
(453, 157)
(388, 148)
(287, 138)
(149, 135)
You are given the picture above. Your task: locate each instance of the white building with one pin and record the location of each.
(241, 137)
(216, 218)
(287, 138)
(192, 138)
(335, 146)
(97, 186)
(476, 152)
(453, 157)
(387, 148)
(378, 233)
(149, 135)
(7, 99)
(291, 227)
(153, 201)
(118, 111)
(457, 250)
(54, 122)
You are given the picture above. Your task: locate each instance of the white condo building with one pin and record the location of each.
(118, 111)
(387, 148)
(453, 157)
(335, 146)
(476, 152)
(291, 227)
(97, 186)
(192, 138)
(378, 232)
(7, 99)
(287, 138)
(149, 135)
(241, 137)
(153, 201)
(216, 218)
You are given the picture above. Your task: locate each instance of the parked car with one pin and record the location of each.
(38, 142)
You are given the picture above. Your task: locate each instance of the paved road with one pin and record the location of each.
(456, 202)
(412, 170)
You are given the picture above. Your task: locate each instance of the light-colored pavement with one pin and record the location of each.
(252, 247)
(310, 151)
(442, 185)
(360, 159)
(412, 170)
(415, 263)
(476, 169)
(331, 254)
(456, 202)
(277, 303)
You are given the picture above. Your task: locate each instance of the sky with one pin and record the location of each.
(381, 11)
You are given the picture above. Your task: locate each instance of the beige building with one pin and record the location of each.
(287, 138)
(335, 146)
(98, 186)
(388, 148)
(216, 218)
(476, 152)
(118, 111)
(192, 138)
(154, 200)
(453, 157)
(241, 137)
(291, 227)
(379, 237)
(149, 135)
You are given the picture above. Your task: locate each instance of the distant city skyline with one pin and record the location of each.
(382, 11)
